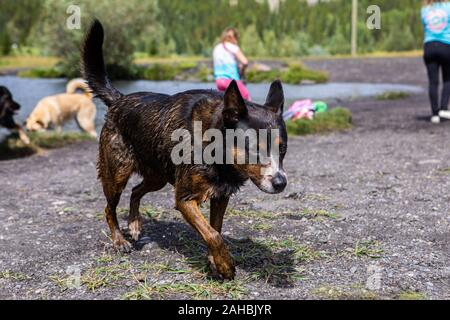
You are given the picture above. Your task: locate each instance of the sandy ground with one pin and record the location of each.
(366, 216)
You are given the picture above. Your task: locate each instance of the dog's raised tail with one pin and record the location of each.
(79, 84)
(93, 65)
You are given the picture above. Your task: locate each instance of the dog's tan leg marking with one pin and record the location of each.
(217, 212)
(134, 219)
(218, 251)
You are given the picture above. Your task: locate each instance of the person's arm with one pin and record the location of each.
(241, 58)
(243, 62)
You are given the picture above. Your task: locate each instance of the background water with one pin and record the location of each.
(28, 92)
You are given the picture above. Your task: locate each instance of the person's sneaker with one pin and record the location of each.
(444, 114)
(435, 119)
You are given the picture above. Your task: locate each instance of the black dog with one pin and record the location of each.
(137, 138)
(8, 108)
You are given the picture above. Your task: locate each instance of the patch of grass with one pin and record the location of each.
(105, 273)
(318, 214)
(232, 212)
(171, 71)
(146, 211)
(207, 290)
(444, 170)
(54, 140)
(46, 73)
(371, 249)
(146, 60)
(11, 147)
(261, 226)
(254, 76)
(393, 95)
(338, 119)
(277, 273)
(335, 293)
(294, 74)
(159, 72)
(273, 261)
(301, 253)
(411, 295)
(69, 210)
(204, 74)
(26, 61)
(104, 276)
(297, 73)
(16, 276)
(105, 258)
(150, 212)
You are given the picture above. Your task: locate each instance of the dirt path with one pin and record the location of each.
(366, 215)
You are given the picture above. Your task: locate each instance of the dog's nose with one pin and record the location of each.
(279, 182)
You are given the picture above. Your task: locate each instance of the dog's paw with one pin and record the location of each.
(24, 138)
(134, 228)
(223, 265)
(122, 245)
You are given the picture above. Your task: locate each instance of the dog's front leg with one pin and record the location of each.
(217, 250)
(22, 135)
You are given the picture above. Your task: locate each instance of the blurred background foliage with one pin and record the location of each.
(179, 27)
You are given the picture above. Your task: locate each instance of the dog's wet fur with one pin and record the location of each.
(136, 139)
(8, 108)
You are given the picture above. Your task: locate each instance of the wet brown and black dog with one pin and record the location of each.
(137, 139)
(8, 108)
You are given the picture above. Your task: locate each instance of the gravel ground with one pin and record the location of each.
(366, 216)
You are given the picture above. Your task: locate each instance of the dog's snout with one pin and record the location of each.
(279, 182)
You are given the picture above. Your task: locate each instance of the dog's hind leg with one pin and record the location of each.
(114, 168)
(113, 193)
(134, 219)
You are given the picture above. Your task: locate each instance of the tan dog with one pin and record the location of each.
(55, 110)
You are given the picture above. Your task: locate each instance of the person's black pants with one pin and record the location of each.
(437, 57)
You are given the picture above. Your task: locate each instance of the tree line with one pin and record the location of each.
(192, 27)
(169, 27)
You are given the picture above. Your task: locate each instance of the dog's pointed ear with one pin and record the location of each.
(234, 105)
(275, 98)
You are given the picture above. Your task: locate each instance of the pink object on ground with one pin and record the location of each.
(222, 85)
(301, 104)
(304, 114)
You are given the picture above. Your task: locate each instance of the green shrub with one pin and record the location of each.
(159, 72)
(337, 119)
(204, 74)
(295, 74)
(254, 76)
(393, 95)
(54, 140)
(124, 22)
(54, 72)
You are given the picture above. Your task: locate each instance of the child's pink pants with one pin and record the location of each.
(222, 85)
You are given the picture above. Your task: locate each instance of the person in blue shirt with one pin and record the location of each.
(436, 22)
